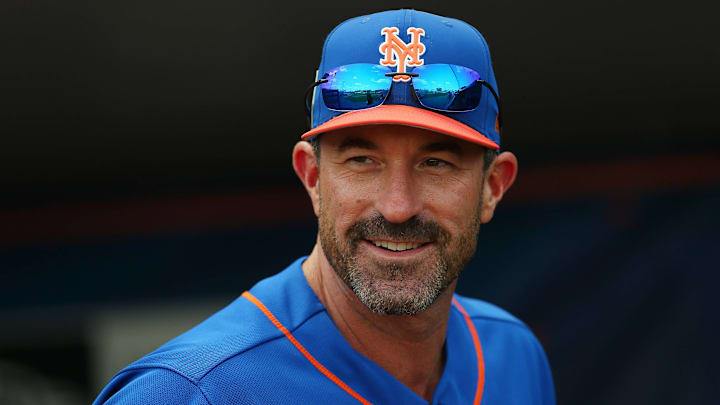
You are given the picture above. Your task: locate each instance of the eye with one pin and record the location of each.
(360, 160)
(432, 162)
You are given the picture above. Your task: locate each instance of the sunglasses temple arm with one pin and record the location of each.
(308, 91)
(497, 100)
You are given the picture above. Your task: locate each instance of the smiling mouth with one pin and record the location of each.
(396, 246)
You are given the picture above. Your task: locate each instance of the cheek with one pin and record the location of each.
(345, 203)
(454, 206)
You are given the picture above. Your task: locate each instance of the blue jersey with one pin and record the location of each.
(276, 344)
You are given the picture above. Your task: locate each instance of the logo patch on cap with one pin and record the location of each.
(397, 53)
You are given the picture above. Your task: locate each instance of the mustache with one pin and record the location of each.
(414, 229)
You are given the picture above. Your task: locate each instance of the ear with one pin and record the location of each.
(306, 167)
(500, 176)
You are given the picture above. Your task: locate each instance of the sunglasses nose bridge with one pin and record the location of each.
(402, 93)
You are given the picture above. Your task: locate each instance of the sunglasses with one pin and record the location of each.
(440, 87)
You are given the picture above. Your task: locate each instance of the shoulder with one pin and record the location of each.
(482, 311)
(231, 333)
(150, 386)
(506, 338)
(173, 372)
(513, 356)
(493, 322)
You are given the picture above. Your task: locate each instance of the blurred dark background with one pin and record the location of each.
(145, 182)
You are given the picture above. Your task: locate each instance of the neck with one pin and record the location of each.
(409, 347)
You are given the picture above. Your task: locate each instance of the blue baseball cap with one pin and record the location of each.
(444, 41)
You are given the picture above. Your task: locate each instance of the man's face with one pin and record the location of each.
(399, 212)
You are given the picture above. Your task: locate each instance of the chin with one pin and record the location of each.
(397, 290)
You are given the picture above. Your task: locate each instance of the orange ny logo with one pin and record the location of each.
(398, 53)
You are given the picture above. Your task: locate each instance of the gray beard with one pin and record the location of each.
(416, 294)
(395, 302)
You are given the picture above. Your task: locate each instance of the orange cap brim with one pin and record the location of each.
(403, 115)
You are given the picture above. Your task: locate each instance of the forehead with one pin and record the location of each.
(395, 138)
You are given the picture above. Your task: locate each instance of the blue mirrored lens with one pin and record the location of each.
(447, 87)
(356, 86)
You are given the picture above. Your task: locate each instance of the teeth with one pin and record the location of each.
(396, 246)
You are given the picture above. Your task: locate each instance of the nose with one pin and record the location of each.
(399, 198)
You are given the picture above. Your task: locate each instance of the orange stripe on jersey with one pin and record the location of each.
(478, 353)
(302, 349)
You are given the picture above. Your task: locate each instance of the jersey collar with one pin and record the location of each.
(298, 308)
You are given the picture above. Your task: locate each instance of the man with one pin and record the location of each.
(402, 170)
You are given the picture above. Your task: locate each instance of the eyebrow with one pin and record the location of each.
(445, 146)
(352, 143)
